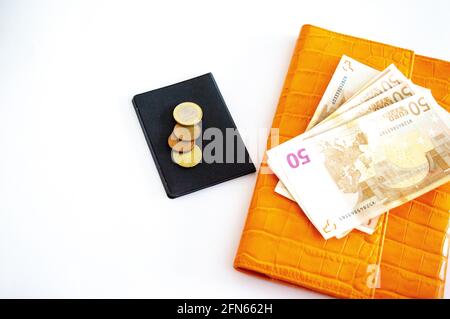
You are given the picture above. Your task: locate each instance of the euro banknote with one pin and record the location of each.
(352, 173)
(385, 81)
(389, 97)
(349, 76)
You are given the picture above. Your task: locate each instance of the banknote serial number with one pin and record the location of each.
(297, 159)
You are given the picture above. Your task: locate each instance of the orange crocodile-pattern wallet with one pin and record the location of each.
(407, 255)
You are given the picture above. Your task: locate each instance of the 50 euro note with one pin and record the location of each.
(349, 77)
(385, 81)
(361, 169)
(394, 95)
(368, 89)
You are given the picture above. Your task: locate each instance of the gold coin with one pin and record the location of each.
(187, 113)
(188, 159)
(178, 145)
(187, 133)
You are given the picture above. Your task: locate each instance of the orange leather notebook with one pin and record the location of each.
(407, 255)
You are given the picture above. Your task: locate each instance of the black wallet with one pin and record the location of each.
(154, 110)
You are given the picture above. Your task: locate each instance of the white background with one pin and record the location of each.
(83, 212)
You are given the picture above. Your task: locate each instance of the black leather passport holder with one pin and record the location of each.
(225, 159)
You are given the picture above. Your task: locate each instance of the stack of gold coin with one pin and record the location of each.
(185, 152)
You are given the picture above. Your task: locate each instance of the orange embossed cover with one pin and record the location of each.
(279, 241)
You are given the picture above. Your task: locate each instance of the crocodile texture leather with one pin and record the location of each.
(278, 240)
(415, 255)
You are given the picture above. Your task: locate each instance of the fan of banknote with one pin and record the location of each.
(376, 141)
